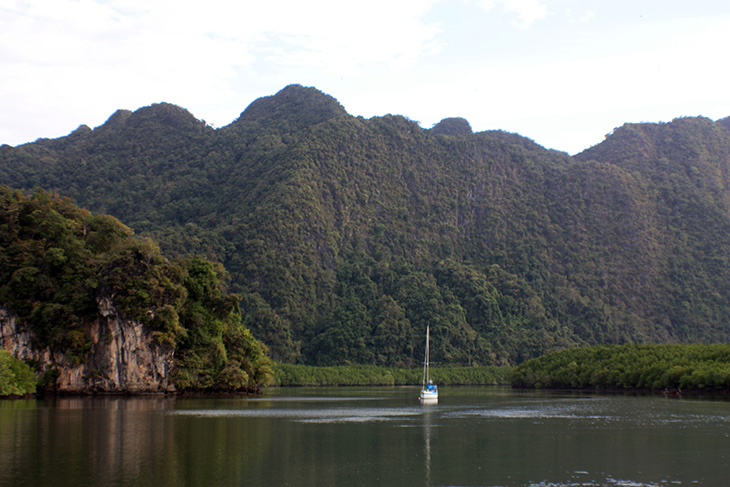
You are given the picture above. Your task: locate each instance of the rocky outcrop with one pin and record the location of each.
(124, 358)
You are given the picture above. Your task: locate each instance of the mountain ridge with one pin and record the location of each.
(346, 236)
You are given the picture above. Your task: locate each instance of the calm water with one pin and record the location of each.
(361, 437)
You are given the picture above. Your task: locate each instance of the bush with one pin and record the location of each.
(16, 377)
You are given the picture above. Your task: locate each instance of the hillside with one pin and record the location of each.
(82, 298)
(346, 236)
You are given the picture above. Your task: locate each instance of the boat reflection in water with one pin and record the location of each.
(428, 419)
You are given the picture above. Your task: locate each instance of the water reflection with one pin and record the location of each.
(81, 438)
(428, 422)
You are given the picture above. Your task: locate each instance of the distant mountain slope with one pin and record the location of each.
(345, 237)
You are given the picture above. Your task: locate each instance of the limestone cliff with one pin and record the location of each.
(123, 358)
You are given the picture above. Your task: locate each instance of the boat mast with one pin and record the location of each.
(425, 361)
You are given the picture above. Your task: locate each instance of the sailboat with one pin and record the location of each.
(429, 391)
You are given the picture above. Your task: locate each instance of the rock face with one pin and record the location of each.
(123, 357)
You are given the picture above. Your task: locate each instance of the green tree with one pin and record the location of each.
(16, 377)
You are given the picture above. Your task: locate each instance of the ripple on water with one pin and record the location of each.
(582, 478)
(329, 415)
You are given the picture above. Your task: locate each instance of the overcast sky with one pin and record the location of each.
(561, 72)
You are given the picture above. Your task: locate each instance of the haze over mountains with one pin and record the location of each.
(346, 236)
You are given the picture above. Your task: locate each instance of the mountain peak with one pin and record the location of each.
(452, 126)
(165, 114)
(153, 117)
(157, 118)
(295, 106)
(116, 120)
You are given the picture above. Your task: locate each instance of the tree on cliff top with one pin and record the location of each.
(57, 260)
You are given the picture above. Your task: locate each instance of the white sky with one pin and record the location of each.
(561, 72)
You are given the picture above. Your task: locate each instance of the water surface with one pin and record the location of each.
(367, 437)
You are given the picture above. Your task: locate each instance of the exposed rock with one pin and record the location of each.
(123, 358)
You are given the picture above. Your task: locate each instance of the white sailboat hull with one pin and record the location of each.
(427, 395)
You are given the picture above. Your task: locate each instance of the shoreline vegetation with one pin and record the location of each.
(656, 368)
(668, 368)
(288, 375)
(692, 368)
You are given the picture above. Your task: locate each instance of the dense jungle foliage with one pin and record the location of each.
(346, 236)
(630, 366)
(57, 260)
(374, 375)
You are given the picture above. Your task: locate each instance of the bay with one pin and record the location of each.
(474, 436)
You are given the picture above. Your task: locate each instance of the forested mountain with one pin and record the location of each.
(347, 236)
